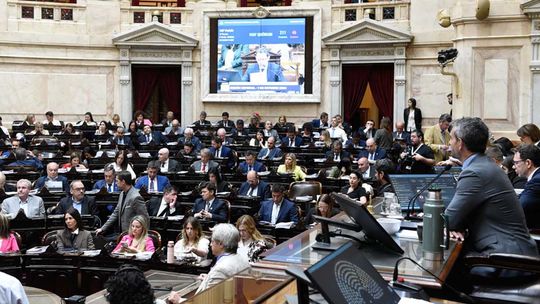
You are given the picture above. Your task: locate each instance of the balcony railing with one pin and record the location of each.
(392, 10)
(56, 10)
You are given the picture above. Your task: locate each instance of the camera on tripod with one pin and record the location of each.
(446, 56)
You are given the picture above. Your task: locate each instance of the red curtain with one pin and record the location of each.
(144, 83)
(243, 3)
(134, 2)
(355, 80)
(180, 3)
(169, 88)
(381, 82)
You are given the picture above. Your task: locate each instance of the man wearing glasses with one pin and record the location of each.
(84, 204)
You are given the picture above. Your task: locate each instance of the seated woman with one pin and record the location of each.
(137, 239)
(193, 243)
(290, 167)
(355, 189)
(88, 120)
(38, 130)
(281, 125)
(259, 140)
(115, 122)
(74, 162)
(251, 243)
(325, 141)
(102, 130)
(214, 176)
(121, 163)
(324, 208)
(8, 242)
(140, 120)
(74, 236)
(69, 130)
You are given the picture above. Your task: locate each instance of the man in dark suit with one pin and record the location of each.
(24, 157)
(372, 152)
(271, 152)
(526, 163)
(367, 171)
(166, 164)
(167, 121)
(337, 153)
(322, 122)
(152, 182)
(84, 204)
(485, 212)
(151, 137)
(209, 207)
(130, 203)
(120, 139)
(278, 209)
(226, 140)
(190, 138)
(219, 151)
(272, 71)
(291, 140)
(206, 162)
(174, 132)
(368, 130)
(109, 180)
(253, 186)
(165, 206)
(52, 177)
(401, 134)
(251, 163)
(202, 122)
(225, 122)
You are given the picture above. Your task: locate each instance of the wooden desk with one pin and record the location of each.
(297, 251)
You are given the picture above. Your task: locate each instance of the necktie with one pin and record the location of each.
(147, 138)
(203, 167)
(336, 157)
(250, 168)
(399, 135)
(165, 211)
(371, 156)
(207, 207)
(291, 142)
(121, 141)
(152, 185)
(250, 192)
(109, 188)
(443, 138)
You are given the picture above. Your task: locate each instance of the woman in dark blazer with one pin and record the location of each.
(355, 190)
(74, 236)
(417, 116)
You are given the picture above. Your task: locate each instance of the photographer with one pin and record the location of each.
(418, 159)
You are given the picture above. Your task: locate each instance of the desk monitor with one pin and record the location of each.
(370, 226)
(346, 276)
(407, 185)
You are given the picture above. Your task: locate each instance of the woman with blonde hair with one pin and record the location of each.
(137, 239)
(290, 167)
(252, 243)
(8, 242)
(193, 243)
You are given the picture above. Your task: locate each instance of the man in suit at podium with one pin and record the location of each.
(165, 206)
(278, 209)
(108, 182)
(32, 205)
(84, 204)
(130, 203)
(251, 163)
(270, 71)
(209, 207)
(152, 181)
(255, 187)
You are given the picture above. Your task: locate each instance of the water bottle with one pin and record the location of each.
(170, 252)
(434, 227)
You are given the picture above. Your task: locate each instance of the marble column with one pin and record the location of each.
(399, 84)
(535, 75)
(126, 103)
(336, 103)
(187, 89)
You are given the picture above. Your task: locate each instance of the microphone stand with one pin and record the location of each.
(413, 199)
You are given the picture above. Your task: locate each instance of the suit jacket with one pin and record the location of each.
(273, 72)
(286, 140)
(157, 138)
(226, 124)
(127, 141)
(227, 153)
(40, 182)
(197, 165)
(530, 201)
(274, 153)
(153, 207)
(367, 134)
(225, 267)
(287, 211)
(36, 208)
(405, 136)
(124, 212)
(317, 123)
(88, 205)
(344, 154)
(83, 240)
(257, 167)
(174, 166)
(218, 209)
(433, 138)
(197, 144)
(102, 183)
(486, 205)
(417, 118)
(162, 182)
(263, 189)
(379, 154)
(199, 123)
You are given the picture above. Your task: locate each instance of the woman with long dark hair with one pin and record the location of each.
(121, 163)
(412, 116)
(74, 236)
(324, 208)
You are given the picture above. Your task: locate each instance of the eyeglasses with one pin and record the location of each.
(518, 161)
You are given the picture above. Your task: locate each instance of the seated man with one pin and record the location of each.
(291, 140)
(220, 151)
(222, 133)
(251, 163)
(84, 204)
(527, 162)
(168, 120)
(152, 182)
(270, 71)
(225, 122)
(253, 186)
(175, 130)
(372, 152)
(151, 137)
(189, 138)
(166, 164)
(203, 165)
(120, 139)
(32, 205)
(187, 152)
(337, 153)
(208, 207)
(26, 158)
(278, 209)
(165, 206)
(108, 182)
(401, 134)
(52, 179)
(50, 120)
(336, 132)
(240, 131)
(368, 173)
(321, 123)
(202, 120)
(271, 152)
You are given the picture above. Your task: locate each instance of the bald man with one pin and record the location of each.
(255, 187)
(167, 165)
(52, 178)
(372, 152)
(401, 134)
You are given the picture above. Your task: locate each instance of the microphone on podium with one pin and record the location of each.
(413, 199)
